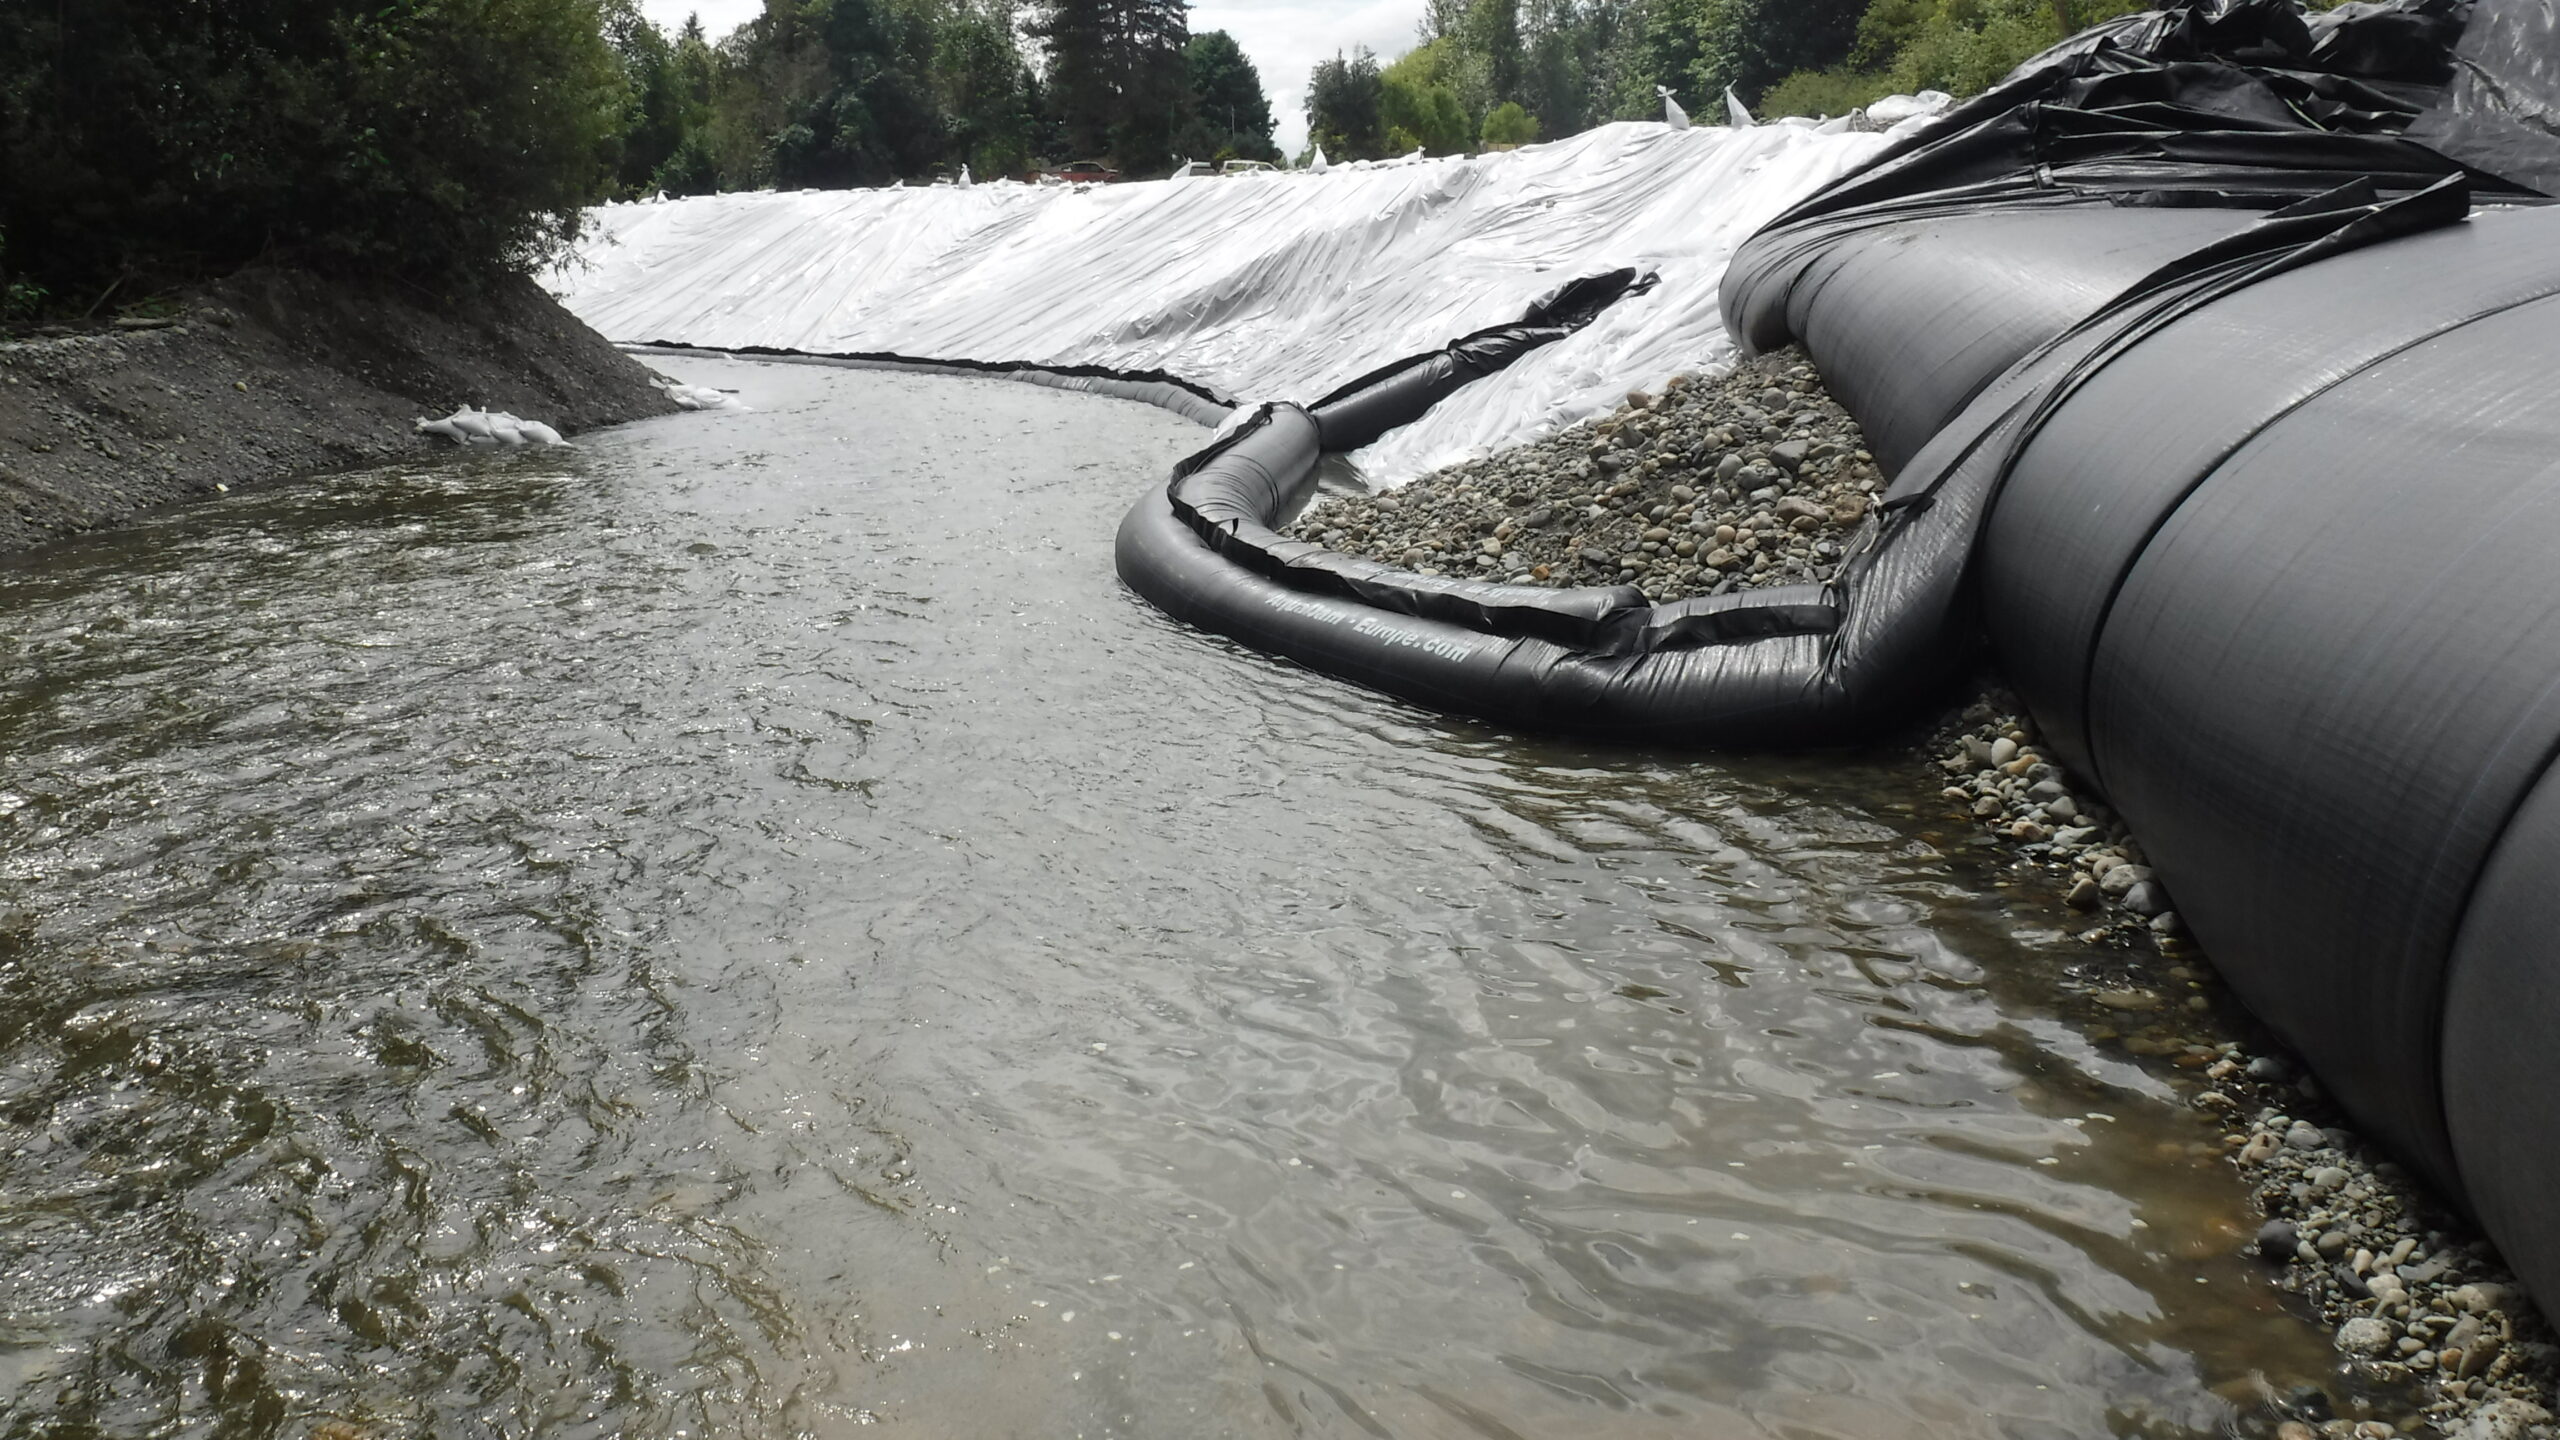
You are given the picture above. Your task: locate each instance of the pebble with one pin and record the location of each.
(2277, 1240)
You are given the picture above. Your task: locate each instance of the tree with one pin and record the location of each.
(1959, 46)
(1117, 78)
(653, 112)
(1343, 98)
(984, 93)
(1419, 108)
(1226, 93)
(1491, 32)
(1508, 124)
(143, 141)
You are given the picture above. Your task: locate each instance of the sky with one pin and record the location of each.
(1283, 38)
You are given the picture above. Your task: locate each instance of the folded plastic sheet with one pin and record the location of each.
(1921, 278)
(2502, 114)
(1252, 287)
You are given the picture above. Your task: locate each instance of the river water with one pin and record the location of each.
(746, 929)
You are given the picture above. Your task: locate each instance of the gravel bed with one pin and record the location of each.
(2413, 1294)
(1754, 478)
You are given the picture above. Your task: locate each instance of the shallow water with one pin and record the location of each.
(746, 929)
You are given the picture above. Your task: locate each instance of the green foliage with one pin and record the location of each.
(821, 93)
(655, 109)
(1118, 76)
(984, 94)
(1508, 124)
(170, 138)
(1749, 45)
(1345, 100)
(1226, 94)
(1823, 93)
(1421, 108)
(1960, 46)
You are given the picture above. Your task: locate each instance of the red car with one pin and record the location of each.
(1085, 172)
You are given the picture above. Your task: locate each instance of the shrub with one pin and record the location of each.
(162, 139)
(1508, 124)
(1825, 92)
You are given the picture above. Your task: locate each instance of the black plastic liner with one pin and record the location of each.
(2503, 113)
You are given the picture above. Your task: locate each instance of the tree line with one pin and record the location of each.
(1493, 72)
(146, 143)
(866, 92)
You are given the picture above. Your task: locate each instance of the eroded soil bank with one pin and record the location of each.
(272, 374)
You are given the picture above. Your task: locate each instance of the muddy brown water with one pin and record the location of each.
(746, 929)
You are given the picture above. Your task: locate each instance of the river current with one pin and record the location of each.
(745, 928)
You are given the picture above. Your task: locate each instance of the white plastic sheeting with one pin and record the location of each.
(1261, 286)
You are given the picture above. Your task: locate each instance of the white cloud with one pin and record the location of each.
(1285, 39)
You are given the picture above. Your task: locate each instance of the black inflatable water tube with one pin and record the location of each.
(2268, 553)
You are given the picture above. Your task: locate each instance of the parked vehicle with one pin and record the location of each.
(1085, 172)
(1243, 167)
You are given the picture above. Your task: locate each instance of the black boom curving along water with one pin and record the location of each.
(746, 929)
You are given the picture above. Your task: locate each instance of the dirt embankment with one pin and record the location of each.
(274, 374)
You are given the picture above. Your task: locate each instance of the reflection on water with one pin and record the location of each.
(746, 929)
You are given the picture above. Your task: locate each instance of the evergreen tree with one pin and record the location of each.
(1117, 77)
(1343, 98)
(1226, 93)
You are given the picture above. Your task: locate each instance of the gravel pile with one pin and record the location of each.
(1755, 478)
(2413, 1293)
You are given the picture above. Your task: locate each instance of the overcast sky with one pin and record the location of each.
(1284, 38)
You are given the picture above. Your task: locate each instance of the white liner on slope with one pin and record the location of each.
(1264, 286)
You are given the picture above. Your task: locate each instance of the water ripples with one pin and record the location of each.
(746, 929)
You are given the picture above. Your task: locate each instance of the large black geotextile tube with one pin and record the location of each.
(2279, 581)
(2269, 554)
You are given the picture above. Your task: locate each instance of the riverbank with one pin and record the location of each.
(1758, 477)
(271, 374)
